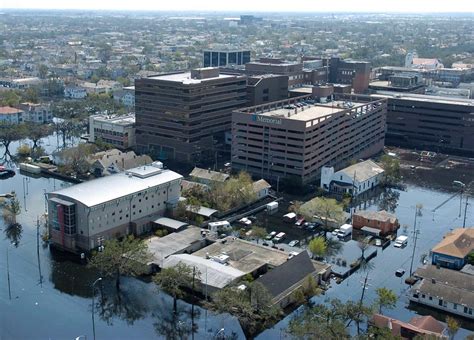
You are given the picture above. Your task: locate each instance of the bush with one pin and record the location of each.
(24, 151)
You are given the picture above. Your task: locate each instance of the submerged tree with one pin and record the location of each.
(327, 210)
(386, 298)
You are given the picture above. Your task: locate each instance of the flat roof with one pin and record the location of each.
(310, 112)
(119, 120)
(423, 98)
(105, 189)
(244, 256)
(162, 247)
(170, 223)
(185, 78)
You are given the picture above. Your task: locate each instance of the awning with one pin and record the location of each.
(170, 223)
(371, 231)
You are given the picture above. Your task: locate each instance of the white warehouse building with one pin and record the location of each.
(352, 180)
(82, 216)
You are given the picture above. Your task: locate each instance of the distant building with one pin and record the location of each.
(84, 215)
(291, 139)
(113, 161)
(414, 121)
(184, 115)
(352, 180)
(453, 250)
(382, 221)
(403, 82)
(11, 115)
(412, 61)
(118, 131)
(222, 57)
(444, 289)
(418, 326)
(248, 19)
(37, 112)
(75, 92)
(352, 72)
(293, 70)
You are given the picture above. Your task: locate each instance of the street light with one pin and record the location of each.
(463, 190)
(93, 293)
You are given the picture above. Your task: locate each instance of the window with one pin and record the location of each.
(455, 306)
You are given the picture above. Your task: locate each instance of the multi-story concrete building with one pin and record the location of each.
(293, 70)
(82, 216)
(184, 115)
(429, 122)
(289, 138)
(353, 72)
(222, 57)
(266, 88)
(116, 130)
(37, 113)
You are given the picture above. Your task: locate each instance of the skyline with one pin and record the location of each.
(363, 6)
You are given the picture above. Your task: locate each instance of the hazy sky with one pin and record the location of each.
(253, 5)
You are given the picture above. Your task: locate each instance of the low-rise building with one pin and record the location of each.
(75, 92)
(383, 221)
(116, 130)
(207, 176)
(82, 216)
(418, 326)
(11, 115)
(444, 289)
(352, 180)
(453, 250)
(113, 161)
(37, 113)
(126, 96)
(261, 188)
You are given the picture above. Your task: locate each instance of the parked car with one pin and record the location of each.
(399, 272)
(279, 237)
(292, 254)
(293, 243)
(299, 222)
(378, 242)
(271, 235)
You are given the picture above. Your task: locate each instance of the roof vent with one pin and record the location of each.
(433, 280)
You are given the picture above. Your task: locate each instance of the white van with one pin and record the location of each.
(401, 241)
(279, 237)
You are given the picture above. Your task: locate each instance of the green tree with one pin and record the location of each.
(253, 306)
(10, 98)
(391, 165)
(327, 210)
(76, 158)
(37, 131)
(386, 298)
(172, 280)
(318, 247)
(43, 71)
(258, 232)
(23, 151)
(127, 256)
(470, 258)
(10, 133)
(453, 326)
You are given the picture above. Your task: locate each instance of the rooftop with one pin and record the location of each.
(363, 171)
(382, 215)
(163, 247)
(209, 175)
(419, 324)
(424, 98)
(119, 120)
(9, 110)
(450, 285)
(185, 78)
(244, 256)
(105, 189)
(458, 243)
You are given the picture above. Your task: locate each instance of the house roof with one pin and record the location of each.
(428, 323)
(424, 61)
(209, 175)
(382, 215)
(283, 277)
(458, 243)
(421, 325)
(260, 185)
(9, 110)
(363, 171)
(123, 160)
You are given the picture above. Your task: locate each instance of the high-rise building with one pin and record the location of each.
(266, 88)
(184, 115)
(295, 138)
(223, 57)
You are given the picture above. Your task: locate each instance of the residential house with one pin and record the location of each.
(11, 115)
(207, 176)
(418, 326)
(261, 188)
(444, 289)
(114, 161)
(37, 113)
(382, 221)
(353, 180)
(75, 92)
(453, 250)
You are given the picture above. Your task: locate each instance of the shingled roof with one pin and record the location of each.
(458, 243)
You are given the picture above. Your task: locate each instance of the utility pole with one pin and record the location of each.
(37, 251)
(465, 212)
(416, 233)
(8, 278)
(364, 288)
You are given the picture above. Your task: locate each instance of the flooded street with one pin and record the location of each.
(51, 295)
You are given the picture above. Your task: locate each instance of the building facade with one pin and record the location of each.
(292, 139)
(37, 113)
(381, 220)
(82, 216)
(11, 115)
(184, 115)
(453, 250)
(294, 70)
(116, 130)
(266, 88)
(225, 57)
(430, 123)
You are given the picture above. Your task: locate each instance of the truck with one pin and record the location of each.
(344, 230)
(218, 226)
(290, 217)
(272, 207)
(401, 241)
(279, 237)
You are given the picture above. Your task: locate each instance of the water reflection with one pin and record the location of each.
(13, 233)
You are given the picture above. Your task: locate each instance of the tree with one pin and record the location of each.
(23, 151)
(75, 159)
(258, 232)
(10, 133)
(173, 279)
(386, 298)
(363, 246)
(36, 131)
(253, 306)
(10, 98)
(327, 210)
(43, 71)
(453, 326)
(318, 247)
(391, 165)
(127, 256)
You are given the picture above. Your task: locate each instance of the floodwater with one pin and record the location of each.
(51, 295)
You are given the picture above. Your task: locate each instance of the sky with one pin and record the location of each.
(415, 6)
